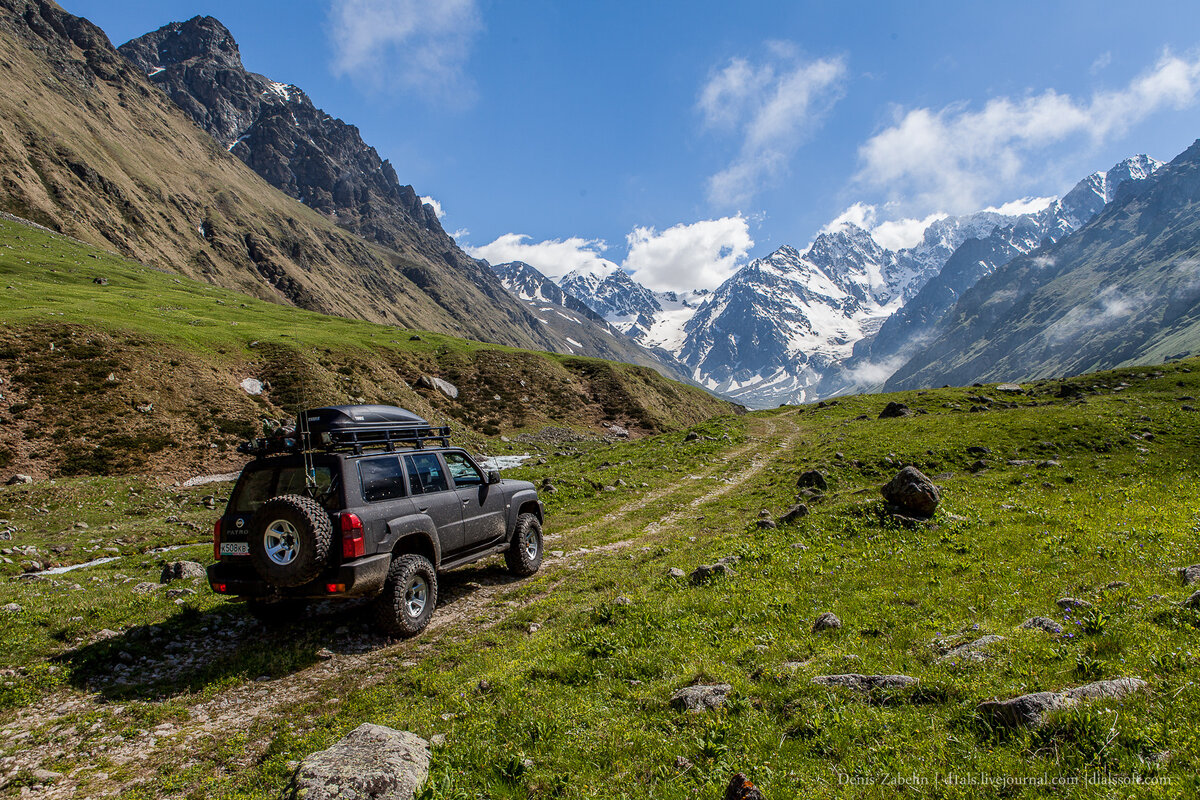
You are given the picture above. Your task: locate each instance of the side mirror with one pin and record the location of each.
(493, 476)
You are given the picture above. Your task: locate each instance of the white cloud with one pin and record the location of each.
(437, 207)
(1110, 306)
(1026, 205)
(1102, 61)
(553, 258)
(773, 106)
(957, 158)
(460, 235)
(417, 45)
(700, 255)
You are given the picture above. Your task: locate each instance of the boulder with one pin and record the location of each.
(794, 513)
(893, 410)
(1190, 575)
(706, 572)
(371, 763)
(812, 479)
(912, 493)
(145, 587)
(701, 697)
(975, 651)
(1068, 603)
(181, 570)
(17, 480)
(445, 387)
(826, 621)
(1042, 624)
(1193, 601)
(692, 436)
(865, 683)
(1010, 388)
(1029, 710)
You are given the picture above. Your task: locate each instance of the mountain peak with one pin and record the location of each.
(199, 38)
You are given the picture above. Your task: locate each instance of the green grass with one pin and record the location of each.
(580, 707)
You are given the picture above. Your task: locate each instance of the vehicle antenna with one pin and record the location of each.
(310, 471)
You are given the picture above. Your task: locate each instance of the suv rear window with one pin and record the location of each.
(261, 485)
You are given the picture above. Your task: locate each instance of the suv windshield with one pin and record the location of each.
(262, 484)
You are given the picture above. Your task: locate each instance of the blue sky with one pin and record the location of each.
(681, 139)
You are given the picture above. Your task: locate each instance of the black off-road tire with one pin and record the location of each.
(524, 553)
(277, 613)
(290, 538)
(409, 596)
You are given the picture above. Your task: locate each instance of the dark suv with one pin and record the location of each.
(366, 501)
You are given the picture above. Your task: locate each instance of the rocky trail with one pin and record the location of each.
(110, 765)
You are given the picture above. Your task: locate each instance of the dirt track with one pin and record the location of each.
(468, 603)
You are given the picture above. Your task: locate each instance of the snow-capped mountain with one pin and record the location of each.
(840, 316)
(528, 284)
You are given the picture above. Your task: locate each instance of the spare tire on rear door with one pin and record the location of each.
(289, 540)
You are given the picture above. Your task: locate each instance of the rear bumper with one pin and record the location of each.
(361, 577)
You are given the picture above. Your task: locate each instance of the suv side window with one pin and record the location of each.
(382, 478)
(271, 481)
(425, 471)
(462, 470)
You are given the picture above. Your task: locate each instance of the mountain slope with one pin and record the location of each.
(90, 148)
(1123, 289)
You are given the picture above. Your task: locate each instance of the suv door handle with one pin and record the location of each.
(422, 510)
(465, 502)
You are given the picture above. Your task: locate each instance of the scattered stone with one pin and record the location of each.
(682, 764)
(557, 553)
(181, 570)
(1067, 603)
(675, 572)
(252, 386)
(1116, 585)
(912, 493)
(145, 587)
(894, 410)
(437, 740)
(865, 683)
(979, 451)
(692, 436)
(706, 572)
(145, 408)
(17, 480)
(1029, 710)
(100, 280)
(1042, 624)
(826, 621)
(974, 651)
(415, 338)
(622, 600)
(978, 466)
(1193, 601)
(371, 763)
(765, 524)
(13, 608)
(618, 431)
(44, 775)
(1010, 388)
(177, 593)
(534, 628)
(701, 697)
(1190, 575)
(485, 686)
(812, 479)
(740, 788)
(794, 513)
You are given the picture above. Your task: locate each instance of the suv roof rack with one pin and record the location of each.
(352, 429)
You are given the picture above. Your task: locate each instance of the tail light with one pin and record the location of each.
(217, 540)
(220, 588)
(353, 545)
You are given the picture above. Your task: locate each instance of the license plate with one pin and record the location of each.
(235, 548)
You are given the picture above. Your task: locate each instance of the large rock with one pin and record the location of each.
(975, 651)
(371, 763)
(826, 621)
(865, 683)
(1029, 710)
(18, 479)
(894, 410)
(812, 479)
(181, 570)
(701, 697)
(445, 387)
(1042, 624)
(912, 493)
(1190, 575)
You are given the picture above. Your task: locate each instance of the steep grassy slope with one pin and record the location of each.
(559, 685)
(1122, 290)
(113, 367)
(89, 147)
